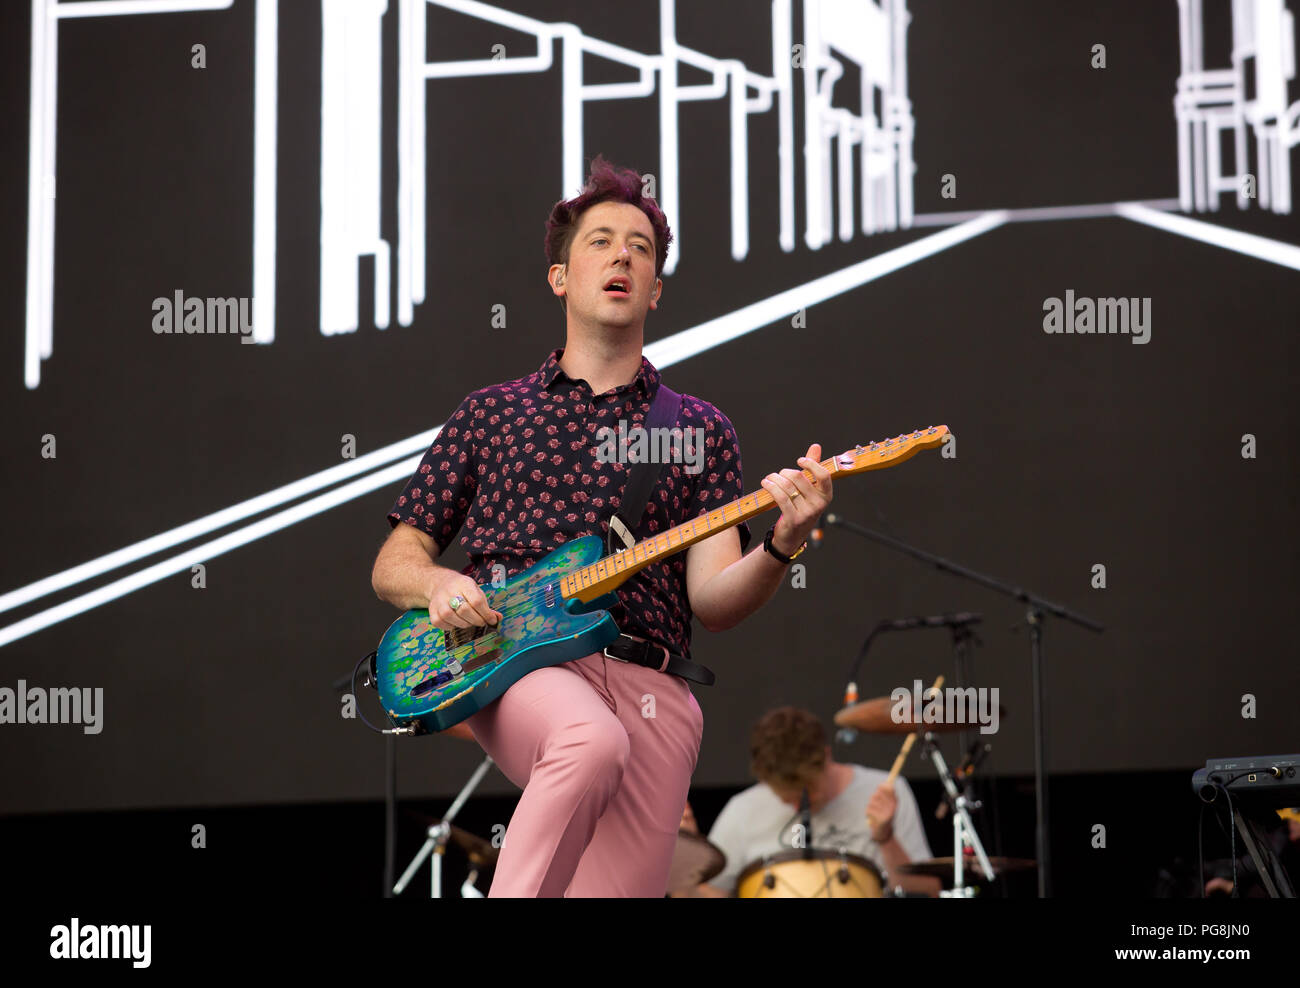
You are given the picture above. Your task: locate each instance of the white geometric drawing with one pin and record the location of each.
(42, 144)
(868, 33)
(1252, 93)
(874, 38)
(730, 80)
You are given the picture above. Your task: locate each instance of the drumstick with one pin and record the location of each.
(902, 755)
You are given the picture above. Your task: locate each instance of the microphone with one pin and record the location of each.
(805, 817)
(974, 755)
(817, 535)
(957, 620)
(847, 735)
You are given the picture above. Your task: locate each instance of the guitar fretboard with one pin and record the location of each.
(626, 562)
(602, 576)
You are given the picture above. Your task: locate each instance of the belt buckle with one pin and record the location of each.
(605, 652)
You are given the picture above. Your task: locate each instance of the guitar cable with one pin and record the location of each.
(364, 719)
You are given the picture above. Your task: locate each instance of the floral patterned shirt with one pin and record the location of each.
(523, 467)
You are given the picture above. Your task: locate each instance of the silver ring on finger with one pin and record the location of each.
(455, 602)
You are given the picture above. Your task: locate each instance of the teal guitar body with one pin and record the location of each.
(433, 679)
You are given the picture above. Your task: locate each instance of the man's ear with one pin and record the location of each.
(654, 296)
(555, 275)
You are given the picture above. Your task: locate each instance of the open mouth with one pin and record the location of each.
(618, 286)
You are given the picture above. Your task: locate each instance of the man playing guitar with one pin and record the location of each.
(603, 748)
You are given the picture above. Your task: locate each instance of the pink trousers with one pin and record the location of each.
(604, 752)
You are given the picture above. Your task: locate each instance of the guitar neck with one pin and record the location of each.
(589, 582)
(602, 576)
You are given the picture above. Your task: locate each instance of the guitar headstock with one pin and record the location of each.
(890, 451)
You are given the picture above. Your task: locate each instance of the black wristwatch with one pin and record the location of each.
(775, 553)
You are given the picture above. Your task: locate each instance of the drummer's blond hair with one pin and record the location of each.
(787, 747)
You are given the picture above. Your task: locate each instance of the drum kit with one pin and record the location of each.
(801, 873)
(812, 873)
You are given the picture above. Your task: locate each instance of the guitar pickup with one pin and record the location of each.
(457, 637)
(550, 594)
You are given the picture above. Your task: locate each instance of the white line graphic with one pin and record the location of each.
(351, 161)
(762, 313)
(206, 551)
(219, 519)
(662, 353)
(1274, 251)
(1041, 213)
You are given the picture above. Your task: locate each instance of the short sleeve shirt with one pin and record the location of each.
(522, 467)
(756, 823)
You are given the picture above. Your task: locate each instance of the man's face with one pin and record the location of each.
(818, 792)
(610, 278)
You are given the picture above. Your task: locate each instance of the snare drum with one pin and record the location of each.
(826, 874)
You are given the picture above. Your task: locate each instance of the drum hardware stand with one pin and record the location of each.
(436, 844)
(963, 829)
(469, 890)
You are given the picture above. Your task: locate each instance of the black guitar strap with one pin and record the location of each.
(642, 476)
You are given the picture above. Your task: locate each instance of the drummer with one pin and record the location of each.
(788, 752)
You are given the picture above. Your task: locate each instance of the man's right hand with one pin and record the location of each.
(473, 612)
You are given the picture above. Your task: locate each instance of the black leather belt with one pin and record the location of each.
(625, 648)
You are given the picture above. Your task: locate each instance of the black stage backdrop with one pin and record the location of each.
(1073, 451)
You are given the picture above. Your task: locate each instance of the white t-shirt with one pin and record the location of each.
(754, 823)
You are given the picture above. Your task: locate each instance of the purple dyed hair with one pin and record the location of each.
(606, 183)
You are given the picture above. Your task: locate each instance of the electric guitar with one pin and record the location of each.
(555, 611)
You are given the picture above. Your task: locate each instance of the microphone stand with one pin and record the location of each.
(805, 817)
(1037, 609)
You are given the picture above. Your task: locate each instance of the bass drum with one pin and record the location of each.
(825, 875)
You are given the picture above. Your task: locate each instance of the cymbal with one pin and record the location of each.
(695, 860)
(479, 851)
(875, 716)
(942, 867)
